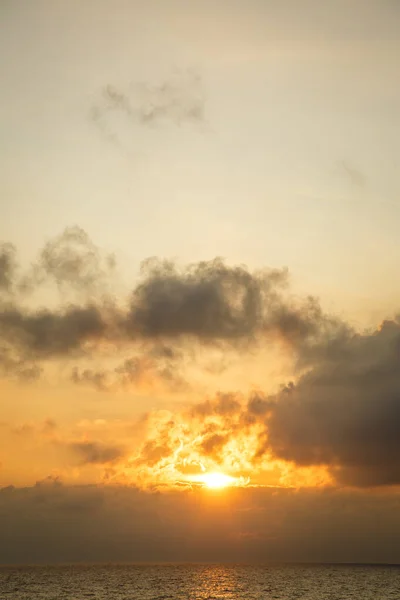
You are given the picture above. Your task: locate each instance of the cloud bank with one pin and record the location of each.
(340, 412)
(50, 523)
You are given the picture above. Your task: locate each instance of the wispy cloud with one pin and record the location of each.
(91, 452)
(179, 100)
(354, 176)
(144, 371)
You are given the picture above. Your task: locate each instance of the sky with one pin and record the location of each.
(199, 315)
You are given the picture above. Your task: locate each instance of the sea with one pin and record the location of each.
(200, 582)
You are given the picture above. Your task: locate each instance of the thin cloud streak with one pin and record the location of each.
(179, 100)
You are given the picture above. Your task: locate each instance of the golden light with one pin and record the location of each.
(215, 480)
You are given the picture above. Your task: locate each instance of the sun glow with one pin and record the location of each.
(215, 480)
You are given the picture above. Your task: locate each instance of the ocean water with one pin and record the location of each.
(190, 582)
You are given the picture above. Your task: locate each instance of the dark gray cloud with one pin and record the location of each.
(207, 303)
(8, 267)
(214, 303)
(344, 412)
(74, 264)
(50, 523)
(91, 452)
(15, 367)
(47, 333)
(165, 352)
(208, 300)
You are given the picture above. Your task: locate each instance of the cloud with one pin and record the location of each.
(178, 445)
(51, 522)
(96, 378)
(345, 411)
(147, 371)
(73, 261)
(179, 100)
(224, 405)
(213, 303)
(70, 260)
(355, 177)
(170, 312)
(46, 333)
(156, 367)
(341, 412)
(91, 452)
(207, 300)
(8, 267)
(46, 428)
(23, 370)
(29, 335)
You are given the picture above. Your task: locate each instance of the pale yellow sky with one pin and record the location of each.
(293, 164)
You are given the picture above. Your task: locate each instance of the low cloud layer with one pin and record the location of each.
(92, 523)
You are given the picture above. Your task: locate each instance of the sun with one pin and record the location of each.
(215, 480)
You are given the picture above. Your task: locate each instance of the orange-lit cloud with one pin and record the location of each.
(334, 420)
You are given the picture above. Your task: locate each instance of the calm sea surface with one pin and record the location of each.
(199, 581)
